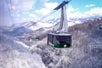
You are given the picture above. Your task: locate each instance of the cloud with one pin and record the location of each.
(94, 11)
(48, 7)
(4, 15)
(5, 20)
(44, 1)
(33, 17)
(12, 10)
(71, 11)
(22, 5)
(90, 6)
(21, 10)
(75, 12)
(19, 7)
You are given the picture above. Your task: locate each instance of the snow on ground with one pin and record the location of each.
(15, 55)
(40, 25)
(71, 23)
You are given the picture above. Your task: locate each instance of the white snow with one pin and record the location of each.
(40, 25)
(71, 23)
(14, 54)
(21, 43)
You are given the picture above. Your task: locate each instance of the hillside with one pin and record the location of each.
(31, 51)
(86, 50)
(15, 54)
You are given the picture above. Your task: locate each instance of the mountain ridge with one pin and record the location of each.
(85, 52)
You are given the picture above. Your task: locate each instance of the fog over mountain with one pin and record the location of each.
(22, 47)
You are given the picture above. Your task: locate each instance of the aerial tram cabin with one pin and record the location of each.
(60, 38)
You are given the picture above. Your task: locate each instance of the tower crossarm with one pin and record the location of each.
(61, 5)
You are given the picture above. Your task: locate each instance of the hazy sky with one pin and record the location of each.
(16, 11)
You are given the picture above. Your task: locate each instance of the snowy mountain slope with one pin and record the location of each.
(31, 51)
(15, 55)
(17, 31)
(31, 27)
(25, 28)
(86, 50)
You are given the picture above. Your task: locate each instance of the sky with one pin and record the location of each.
(18, 11)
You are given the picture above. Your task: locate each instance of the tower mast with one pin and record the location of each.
(63, 25)
(60, 37)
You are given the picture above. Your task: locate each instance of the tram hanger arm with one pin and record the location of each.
(61, 5)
